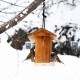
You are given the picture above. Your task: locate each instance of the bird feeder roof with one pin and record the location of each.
(42, 32)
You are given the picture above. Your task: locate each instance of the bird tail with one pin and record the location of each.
(58, 60)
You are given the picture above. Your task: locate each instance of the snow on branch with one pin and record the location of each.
(12, 22)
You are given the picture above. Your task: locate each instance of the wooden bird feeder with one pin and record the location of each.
(43, 44)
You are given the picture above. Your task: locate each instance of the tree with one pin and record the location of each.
(12, 22)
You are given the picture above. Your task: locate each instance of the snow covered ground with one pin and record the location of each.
(12, 66)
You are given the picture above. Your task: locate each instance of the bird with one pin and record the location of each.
(56, 58)
(31, 54)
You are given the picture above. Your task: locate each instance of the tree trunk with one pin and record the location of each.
(14, 21)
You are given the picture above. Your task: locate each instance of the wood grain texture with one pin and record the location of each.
(43, 44)
(43, 49)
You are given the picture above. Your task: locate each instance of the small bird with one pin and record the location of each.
(31, 54)
(56, 58)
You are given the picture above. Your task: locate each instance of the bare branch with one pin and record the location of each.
(4, 8)
(14, 21)
(20, 16)
(15, 12)
(11, 3)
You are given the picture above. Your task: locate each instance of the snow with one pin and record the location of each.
(21, 15)
(16, 19)
(64, 72)
(7, 25)
(12, 64)
(25, 11)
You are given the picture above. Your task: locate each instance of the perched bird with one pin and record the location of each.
(56, 58)
(31, 54)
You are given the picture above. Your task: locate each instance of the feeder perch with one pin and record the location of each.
(43, 44)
